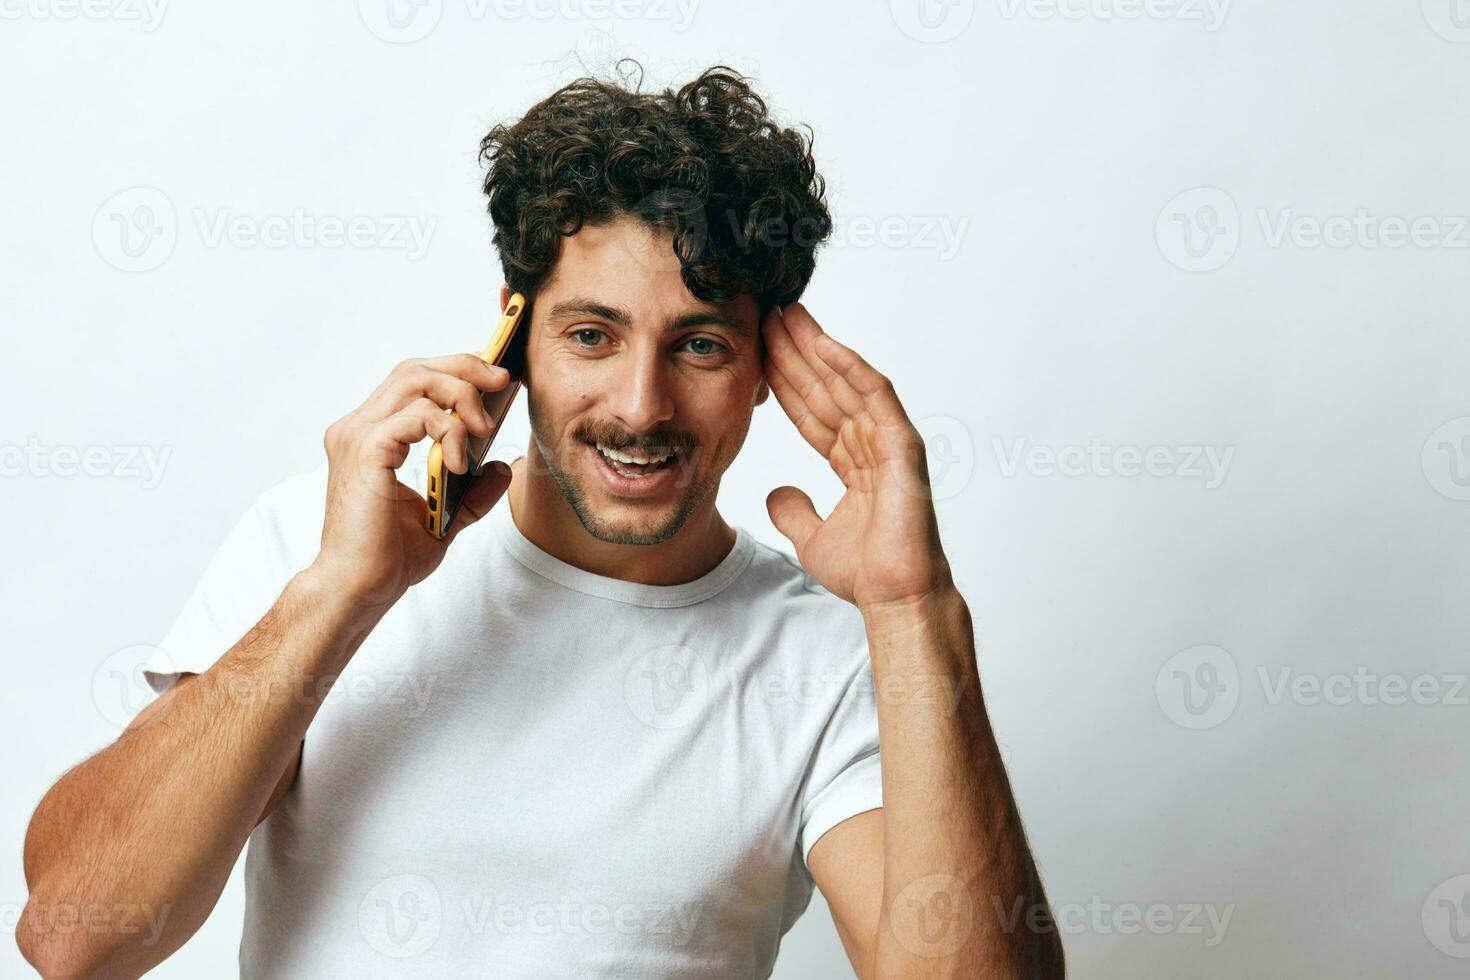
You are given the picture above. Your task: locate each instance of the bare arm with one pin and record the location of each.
(128, 853)
(941, 881)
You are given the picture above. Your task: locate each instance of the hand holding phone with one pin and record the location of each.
(446, 490)
(373, 546)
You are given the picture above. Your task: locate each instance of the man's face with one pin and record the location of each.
(622, 356)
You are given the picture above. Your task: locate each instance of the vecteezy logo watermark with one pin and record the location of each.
(938, 233)
(1446, 917)
(136, 230)
(942, 234)
(300, 229)
(1363, 686)
(566, 916)
(123, 462)
(1445, 459)
(401, 21)
(1450, 19)
(1363, 229)
(1210, 13)
(932, 21)
(406, 21)
(932, 917)
(1209, 464)
(411, 693)
(1104, 918)
(119, 689)
(950, 452)
(405, 916)
(1199, 230)
(147, 13)
(97, 918)
(402, 916)
(829, 684)
(667, 687)
(1199, 687)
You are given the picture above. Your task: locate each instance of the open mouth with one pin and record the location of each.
(635, 464)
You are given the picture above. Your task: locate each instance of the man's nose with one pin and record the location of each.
(640, 396)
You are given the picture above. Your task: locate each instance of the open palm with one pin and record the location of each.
(881, 542)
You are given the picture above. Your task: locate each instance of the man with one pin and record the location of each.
(597, 731)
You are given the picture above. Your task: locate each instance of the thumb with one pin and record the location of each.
(792, 512)
(484, 493)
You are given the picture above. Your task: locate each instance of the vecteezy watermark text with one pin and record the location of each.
(1201, 229)
(1210, 464)
(1200, 687)
(1101, 917)
(146, 13)
(137, 230)
(405, 233)
(1209, 13)
(97, 918)
(403, 916)
(407, 21)
(37, 459)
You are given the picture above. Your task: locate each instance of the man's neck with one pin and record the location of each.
(541, 513)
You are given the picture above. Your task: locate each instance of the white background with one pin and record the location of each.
(1066, 306)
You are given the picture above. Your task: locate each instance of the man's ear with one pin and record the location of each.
(762, 393)
(504, 296)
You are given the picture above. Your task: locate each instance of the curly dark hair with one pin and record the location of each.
(740, 194)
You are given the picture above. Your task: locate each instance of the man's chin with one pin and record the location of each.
(604, 521)
(619, 521)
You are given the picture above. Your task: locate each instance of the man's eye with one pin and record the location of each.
(711, 346)
(583, 333)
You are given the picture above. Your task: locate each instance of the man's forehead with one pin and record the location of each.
(626, 272)
(735, 315)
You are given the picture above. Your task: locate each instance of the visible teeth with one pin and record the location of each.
(623, 457)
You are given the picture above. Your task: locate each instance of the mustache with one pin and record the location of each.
(650, 445)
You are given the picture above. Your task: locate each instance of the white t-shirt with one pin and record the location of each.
(529, 770)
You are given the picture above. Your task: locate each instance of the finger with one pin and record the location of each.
(783, 352)
(812, 429)
(854, 383)
(458, 388)
(805, 332)
(447, 391)
(484, 492)
(448, 430)
(472, 368)
(792, 512)
(857, 376)
(388, 443)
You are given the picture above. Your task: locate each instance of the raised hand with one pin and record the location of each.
(374, 544)
(880, 545)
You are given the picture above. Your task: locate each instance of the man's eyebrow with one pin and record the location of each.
(612, 314)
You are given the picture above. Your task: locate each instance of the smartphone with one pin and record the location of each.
(446, 490)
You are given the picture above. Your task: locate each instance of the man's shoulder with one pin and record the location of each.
(296, 492)
(290, 513)
(777, 576)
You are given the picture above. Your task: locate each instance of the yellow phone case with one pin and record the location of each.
(439, 514)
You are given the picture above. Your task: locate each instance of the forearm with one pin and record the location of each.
(961, 893)
(150, 828)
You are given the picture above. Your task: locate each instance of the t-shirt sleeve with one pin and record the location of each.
(250, 568)
(846, 778)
